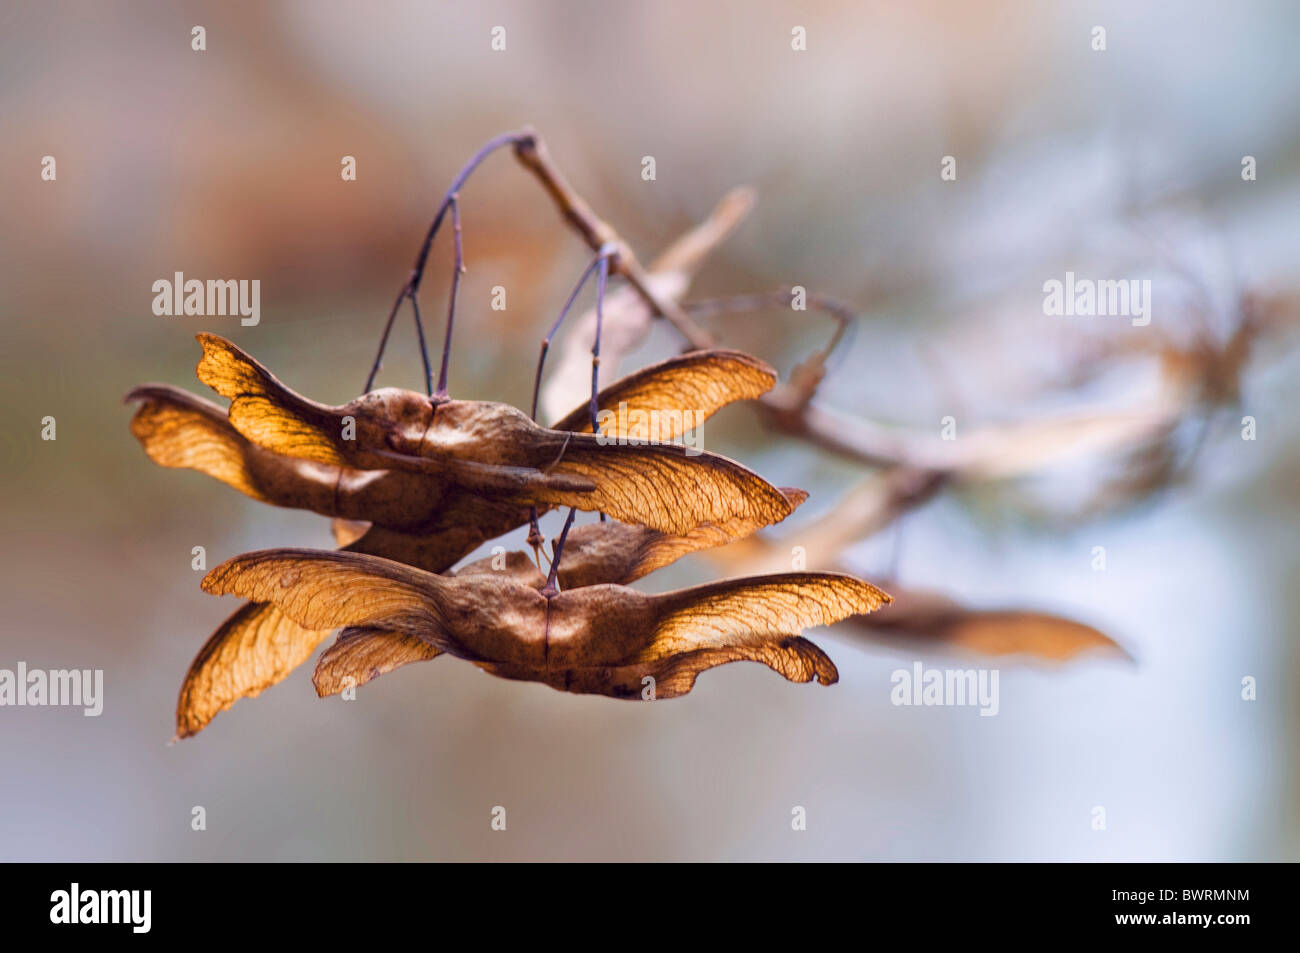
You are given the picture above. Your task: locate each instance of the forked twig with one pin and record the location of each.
(412, 287)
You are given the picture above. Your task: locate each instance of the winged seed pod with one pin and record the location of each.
(178, 429)
(258, 646)
(489, 448)
(601, 639)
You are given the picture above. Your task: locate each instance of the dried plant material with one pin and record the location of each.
(425, 481)
(379, 430)
(619, 553)
(259, 646)
(994, 452)
(597, 639)
(490, 449)
(180, 430)
(699, 383)
(347, 532)
(924, 618)
(664, 486)
(916, 618)
(254, 649)
(515, 566)
(362, 654)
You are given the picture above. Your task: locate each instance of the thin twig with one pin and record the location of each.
(843, 314)
(458, 269)
(552, 587)
(564, 312)
(535, 157)
(424, 348)
(412, 287)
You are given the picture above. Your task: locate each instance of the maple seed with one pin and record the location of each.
(259, 645)
(178, 429)
(491, 449)
(922, 618)
(403, 516)
(596, 639)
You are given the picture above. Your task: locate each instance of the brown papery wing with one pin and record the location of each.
(793, 657)
(361, 654)
(264, 410)
(617, 637)
(178, 429)
(701, 382)
(928, 620)
(739, 611)
(323, 590)
(259, 645)
(612, 552)
(254, 649)
(480, 617)
(663, 486)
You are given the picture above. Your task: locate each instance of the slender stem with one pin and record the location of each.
(535, 537)
(600, 260)
(601, 279)
(424, 350)
(505, 139)
(534, 156)
(458, 269)
(523, 138)
(552, 586)
(383, 339)
(537, 381)
(843, 314)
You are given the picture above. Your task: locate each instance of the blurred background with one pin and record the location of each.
(225, 163)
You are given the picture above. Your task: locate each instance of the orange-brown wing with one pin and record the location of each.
(362, 654)
(478, 617)
(698, 383)
(180, 430)
(758, 619)
(667, 487)
(324, 590)
(615, 641)
(793, 657)
(254, 649)
(613, 552)
(267, 412)
(928, 620)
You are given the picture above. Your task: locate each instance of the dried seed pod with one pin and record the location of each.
(491, 449)
(597, 639)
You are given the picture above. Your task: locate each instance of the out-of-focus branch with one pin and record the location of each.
(915, 465)
(536, 158)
